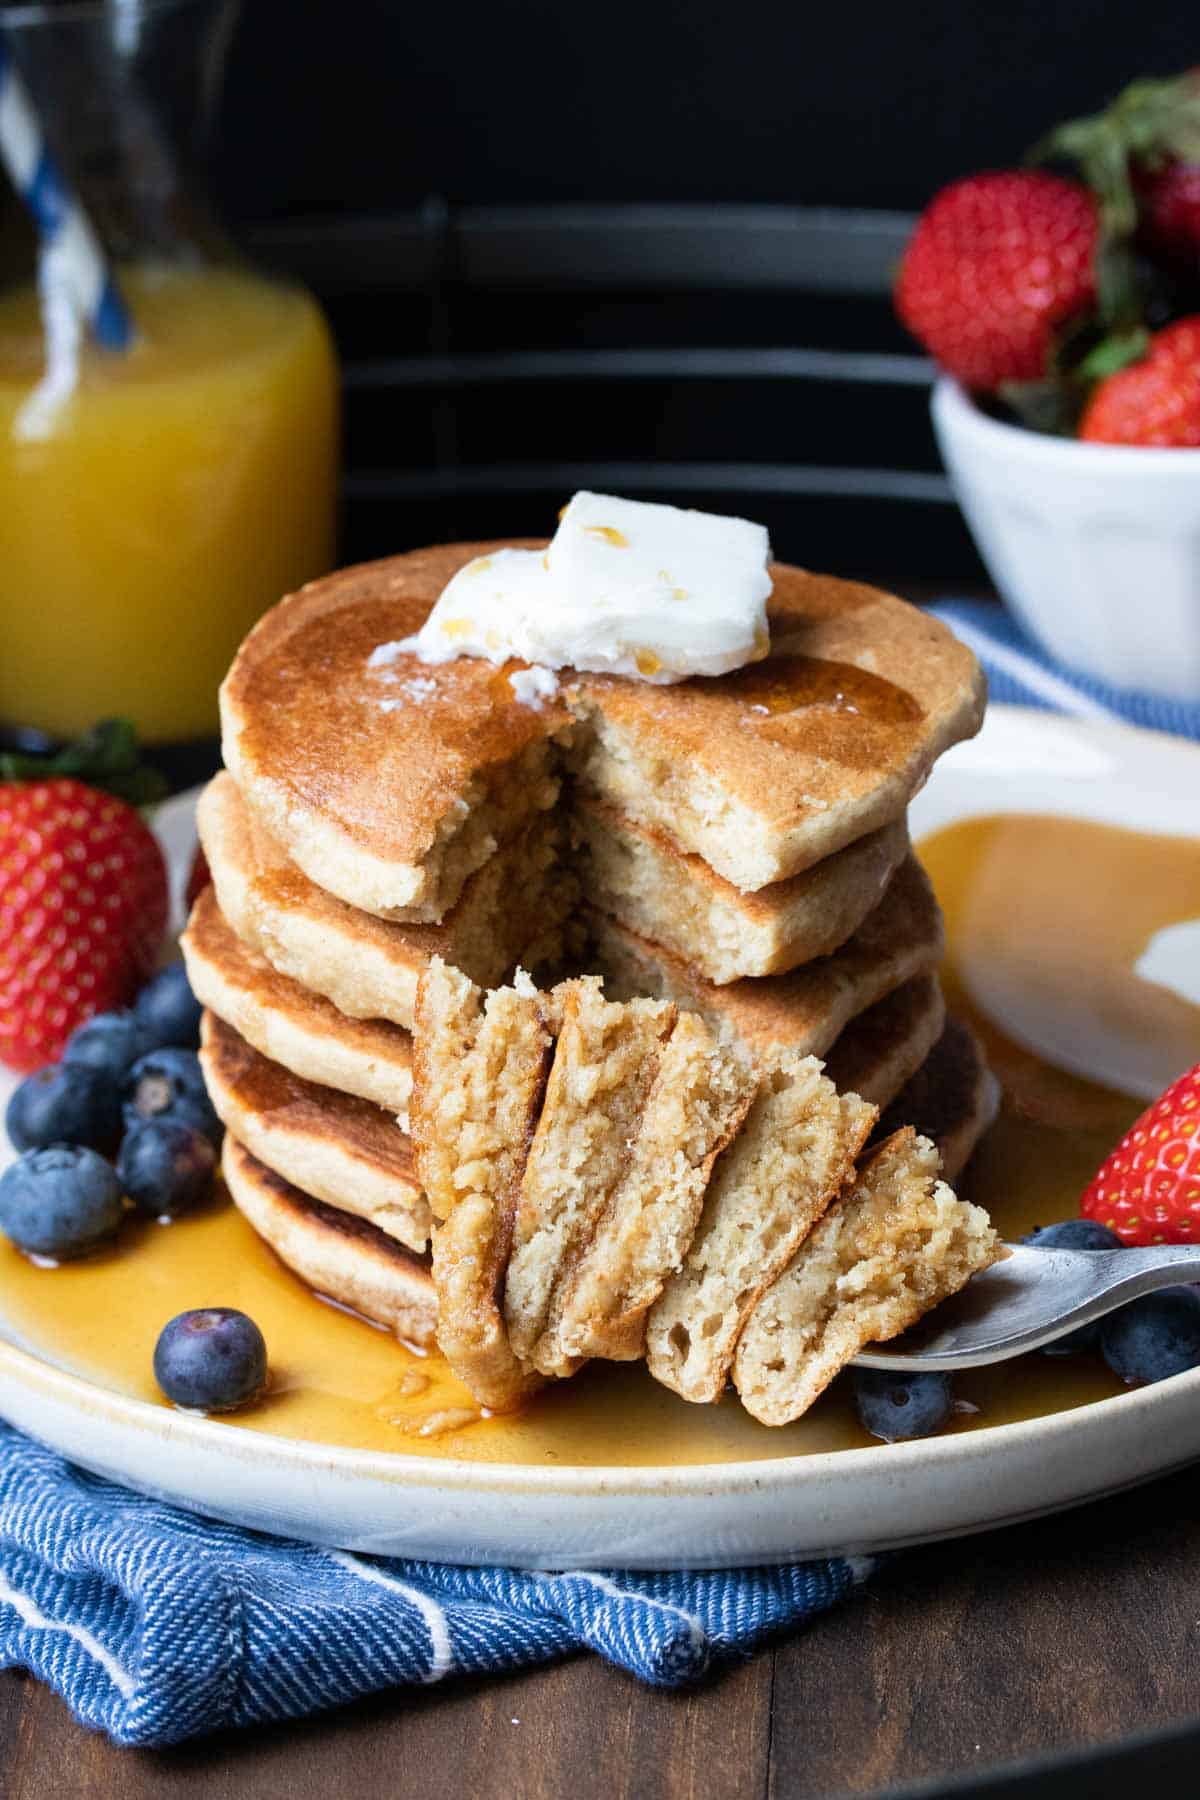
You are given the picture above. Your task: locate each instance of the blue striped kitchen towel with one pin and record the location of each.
(155, 1625)
(1020, 672)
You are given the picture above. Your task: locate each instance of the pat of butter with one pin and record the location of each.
(533, 686)
(626, 588)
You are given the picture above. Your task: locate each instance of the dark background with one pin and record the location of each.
(420, 128)
(374, 105)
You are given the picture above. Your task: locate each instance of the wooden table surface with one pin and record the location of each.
(1038, 1638)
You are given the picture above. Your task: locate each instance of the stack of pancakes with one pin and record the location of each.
(735, 846)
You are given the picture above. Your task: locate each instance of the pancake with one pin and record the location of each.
(337, 1255)
(746, 1236)
(389, 786)
(807, 1009)
(794, 1153)
(606, 1058)
(642, 877)
(480, 1074)
(510, 911)
(696, 1106)
(882, 1049)
(896, 1244)
(952, 1098)
(769, 770)
(369, 1058)
(334, 1147)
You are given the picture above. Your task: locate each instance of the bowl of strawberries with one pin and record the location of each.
(1061, 302)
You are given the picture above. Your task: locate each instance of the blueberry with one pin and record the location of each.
(213, 1359)
(60, 1202)
(110, 1043)
(1074, 1234)
(1075, 1343)
(1156, 1336)
(169, 1084)
(168, 1011)
(64, 1103)
(166, 1167)
(894, 1406)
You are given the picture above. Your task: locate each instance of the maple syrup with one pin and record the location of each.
(1047, 917)
(786, 683)
(863, 721)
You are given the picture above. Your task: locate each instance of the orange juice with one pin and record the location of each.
(180, 490)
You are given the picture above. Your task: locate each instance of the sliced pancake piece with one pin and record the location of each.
(642, 877)
(510, 911)
(369, 1058)
(336, 1148)
(884, 1046)
(952, 1098)
(806, 1009)
(896, 1244)
(388, 783)
(481, 1067)
(767, 771)
(793, 1155)
(334, 1253)
(700, 1095)
(605, 1062)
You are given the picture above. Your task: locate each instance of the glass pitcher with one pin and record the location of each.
(181, 486)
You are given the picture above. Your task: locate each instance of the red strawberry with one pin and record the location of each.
(83, 908)
(1148, 1190)
(1169, 204)
(1155, 401)
(997, 263)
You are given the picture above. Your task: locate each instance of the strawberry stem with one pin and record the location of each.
(104, 757)
(1149, 123)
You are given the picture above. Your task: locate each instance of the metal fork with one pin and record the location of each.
(1030, 1298)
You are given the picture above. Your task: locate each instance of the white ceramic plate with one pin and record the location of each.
(739, 1513)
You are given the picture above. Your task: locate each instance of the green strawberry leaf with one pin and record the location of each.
(1149, 123)
(1112, 354)
(1160, 119)
(105, 757)
(1119, 301)
(1098, 148)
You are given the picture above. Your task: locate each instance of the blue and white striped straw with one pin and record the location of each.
(65, 231)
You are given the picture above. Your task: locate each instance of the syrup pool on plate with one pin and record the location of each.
(179, 491)
(1042, 919)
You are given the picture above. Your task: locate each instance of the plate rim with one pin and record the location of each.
(1086, 724)
(581, 1480)
(575, 1480)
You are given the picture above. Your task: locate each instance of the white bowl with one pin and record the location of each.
(1096, 547)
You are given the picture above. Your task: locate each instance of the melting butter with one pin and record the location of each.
(627, 587)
